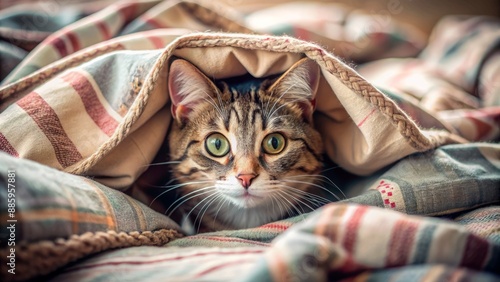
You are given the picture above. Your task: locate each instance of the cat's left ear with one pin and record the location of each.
(299, 85)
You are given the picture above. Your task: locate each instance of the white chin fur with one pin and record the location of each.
(240, 209)
(248, 212)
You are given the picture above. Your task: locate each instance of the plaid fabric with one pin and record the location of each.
(91, 99)
(51, 204)
(339, 242)
(347, 240)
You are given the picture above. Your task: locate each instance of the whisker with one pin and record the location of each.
(294, 100)
(185, 198)
(221, 104)
(217, 213)
(316, 198)
(273, 118)
(204, 209)
(318, 186)
(214, 103)
(276, 102)
(330, 168)
(162, 163)
(280, 204)
(199, 203)
(176, 186)
(173, 180)
(291, 205)
(297, 199)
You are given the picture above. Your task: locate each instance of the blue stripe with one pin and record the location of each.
(423, 244)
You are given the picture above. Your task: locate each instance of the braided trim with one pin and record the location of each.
(41, 258)
(345, 74)
(130, 118)
(350, 78)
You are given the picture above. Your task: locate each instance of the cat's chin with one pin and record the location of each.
(247, 200)
(248, 212)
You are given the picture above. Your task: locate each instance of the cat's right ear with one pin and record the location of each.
(187, 87)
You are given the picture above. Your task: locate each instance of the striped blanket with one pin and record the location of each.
(411, 131)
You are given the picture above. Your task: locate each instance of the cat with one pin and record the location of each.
(244, 151)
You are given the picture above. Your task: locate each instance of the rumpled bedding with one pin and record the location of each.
(418, 162)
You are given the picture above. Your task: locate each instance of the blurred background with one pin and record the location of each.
(424, 14)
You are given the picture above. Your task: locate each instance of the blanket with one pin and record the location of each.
(410, 127)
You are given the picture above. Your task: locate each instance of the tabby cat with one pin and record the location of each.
(244, 149)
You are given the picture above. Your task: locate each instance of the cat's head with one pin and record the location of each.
(244, 150)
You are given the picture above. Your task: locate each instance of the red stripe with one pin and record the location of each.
(475, 253)
(157, 42)
(47, 120)
(91, 102)
(217, 267)
(7, 147)
(73, 38)
(280, 227)
(179, 257)
(128, 11)
(154, 23)
(103, 28)
(60, 46)
(484, 120)
(366, 117)
(352, 228)
(301, 33)
(402, 238)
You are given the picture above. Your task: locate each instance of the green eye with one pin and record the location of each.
(217, 145)
(273, 143)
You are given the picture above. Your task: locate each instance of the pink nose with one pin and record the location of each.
(246, 179)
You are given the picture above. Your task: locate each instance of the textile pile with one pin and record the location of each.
(411, 130)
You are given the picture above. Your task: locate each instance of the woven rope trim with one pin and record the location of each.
(350, 78)
(205, 15)
(44, 257)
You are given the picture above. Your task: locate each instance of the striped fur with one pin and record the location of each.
(245, 114)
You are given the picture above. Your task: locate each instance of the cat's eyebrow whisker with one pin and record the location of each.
(289, 102)
(219, 111)
(187, 197)
(220, 107)
(273, 118)
(220, 103)
(276, 101)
